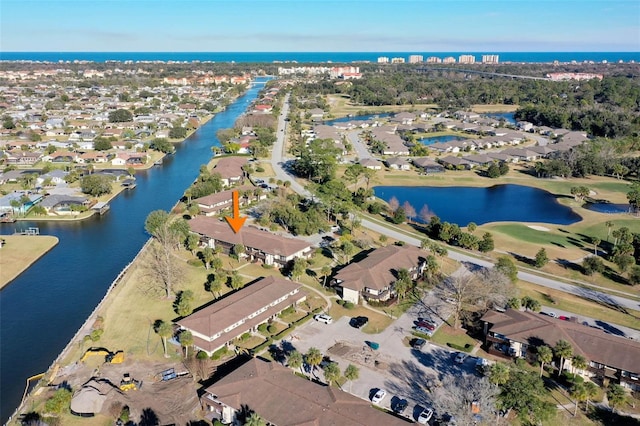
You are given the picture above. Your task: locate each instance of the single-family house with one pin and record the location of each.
(373, 277)
(22, 157)
(398, 163)
(427, 165)
(455, 163)
(371, 163)
(212, 204)
(60, 204)
(230, 170)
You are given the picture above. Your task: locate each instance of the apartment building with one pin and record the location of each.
(467, 59)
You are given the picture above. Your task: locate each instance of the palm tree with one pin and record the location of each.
(207, 256)
(616, 396)
(499, 373)
(313, 357)
(579, 363)
(351, 373)
(331, 372)
(579, 393)
(295, 359)
(255, 420)
(325, 271)
(564, 350)
(545, 356)
(164, 330)
(592, 390)
(403, 284)
(596, 243)
(186, 339)
(609, 225)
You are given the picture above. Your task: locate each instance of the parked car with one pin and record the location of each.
(400, 405)
(418, 343)
(379, 396)
(460, 357)
(426, 324)
(551, 314)
(358, 322)
(424, 331)
(323, 318)
(425, 416)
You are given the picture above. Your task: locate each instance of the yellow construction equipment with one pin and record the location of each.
(129, 383)
(110, 357)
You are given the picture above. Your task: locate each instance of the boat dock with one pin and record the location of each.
(101, 207)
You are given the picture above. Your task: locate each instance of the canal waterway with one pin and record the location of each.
(43, 308)
(461, 205)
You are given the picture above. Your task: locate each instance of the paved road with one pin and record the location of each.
(360, 147)
(402, 371)
(614, 329)
(277, 160)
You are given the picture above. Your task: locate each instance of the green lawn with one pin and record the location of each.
(446, 335)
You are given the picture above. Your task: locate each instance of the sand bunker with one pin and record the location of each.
(538, 228)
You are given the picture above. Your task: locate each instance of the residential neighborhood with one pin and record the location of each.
(283, 285)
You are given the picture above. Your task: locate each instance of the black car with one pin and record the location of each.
(418, 343)
(400, 406)
(358, 322)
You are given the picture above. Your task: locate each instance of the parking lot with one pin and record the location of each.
(404, 372)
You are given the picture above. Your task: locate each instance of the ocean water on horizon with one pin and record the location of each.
(308, 57)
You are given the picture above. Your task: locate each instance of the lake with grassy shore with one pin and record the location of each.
(499, 203)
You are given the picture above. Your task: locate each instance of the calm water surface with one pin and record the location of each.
(461, 205)
(442, 139)
(43, 308)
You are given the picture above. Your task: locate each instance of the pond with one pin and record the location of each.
(442, 139)
(461, 205)
(509, 117)
(357, 118)
(607, 207)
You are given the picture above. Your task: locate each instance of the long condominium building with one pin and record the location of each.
(467, 59)
(490, 59)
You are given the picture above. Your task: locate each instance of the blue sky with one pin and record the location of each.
(319, 26)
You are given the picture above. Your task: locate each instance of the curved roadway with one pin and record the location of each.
(277, 162)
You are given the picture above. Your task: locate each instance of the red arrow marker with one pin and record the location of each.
(236, 221)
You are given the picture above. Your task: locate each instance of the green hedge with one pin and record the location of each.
(262, 346)
(219, 353)
(284, 332)
(421, 335)
(302, 320)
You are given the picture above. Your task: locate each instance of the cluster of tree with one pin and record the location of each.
(476, 292)
(162, 145)
(452, 234)
(313, 358)
(120, 116)
(294, 214)
(496, 170)
(522, 391)
(96, 184)
(598, 157)
(317, 161)
(206, 183)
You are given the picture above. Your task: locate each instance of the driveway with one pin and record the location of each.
(404, 372)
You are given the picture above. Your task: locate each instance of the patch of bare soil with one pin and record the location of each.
(170, 402)
(362, 355)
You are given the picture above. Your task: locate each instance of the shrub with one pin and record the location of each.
(262, 346)
(95, 335)
(288, 311)
(284, 332)
(59, 402)
(245, 336)
(465, 348)
(348, 305)
(271, 329)
(219, 353)
(421, 335)
(262, 328)
(259, 169)
(201, 355)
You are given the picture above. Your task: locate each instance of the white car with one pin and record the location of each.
(323, 318)
(460, 358)
(379, 396)
(552, 314)
(425, 416)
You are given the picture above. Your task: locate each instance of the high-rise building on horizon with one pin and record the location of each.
(449, 60)
(415, 59)
(434, 60)
(397, 60)
(490, 59)
(467, 59)
(383, 60)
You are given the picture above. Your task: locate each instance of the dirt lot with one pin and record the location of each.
(171, 402)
